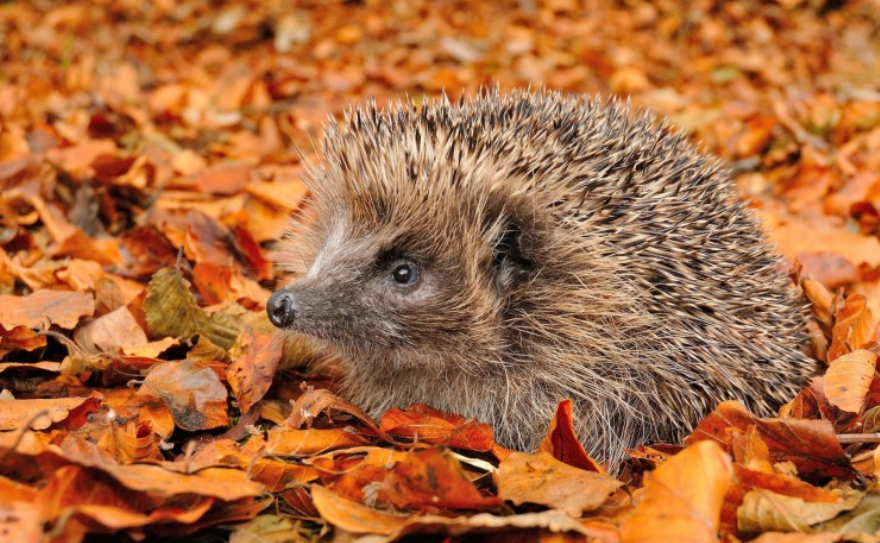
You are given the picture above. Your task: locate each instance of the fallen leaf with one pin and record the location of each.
(172, 311)
(111, 333)
(810, 444)
(848, 378)
(191, 390)
(542, 479)
(423, 423)
(45, 307)
(250, 375)
(763, 511)
(41, 414)
(562, 442)
(682, 498)
(289, 442)
(853, 327)
(353, 516)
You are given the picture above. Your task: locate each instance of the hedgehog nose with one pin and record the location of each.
(282, 308)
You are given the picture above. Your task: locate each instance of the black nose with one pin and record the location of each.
(282, 308)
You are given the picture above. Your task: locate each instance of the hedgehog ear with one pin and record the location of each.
(510, 256)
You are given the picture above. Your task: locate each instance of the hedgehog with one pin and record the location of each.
(494, 256)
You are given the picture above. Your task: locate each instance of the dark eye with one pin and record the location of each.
(405, 274)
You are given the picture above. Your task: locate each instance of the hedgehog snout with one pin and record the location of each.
(282, 308)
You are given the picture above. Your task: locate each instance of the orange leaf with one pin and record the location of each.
(540, 478)
(223, 180)
(289, 442)
(44, 307)
(563, 444)
(853, 327)
(40, 414)
(131, 443)
(221, 483)
(353, 516)
(810, 444)
(729, 420)
(423, 423)
(783, 484)
(430, 479)
(111, 333)
(422, 480)
(314, 402)
(831, 269)
(191, 390)
(250, 376)
(19, 338)
(682, 498)
(848, 378)
(21, 518)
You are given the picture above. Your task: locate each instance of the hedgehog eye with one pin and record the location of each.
(405, 274)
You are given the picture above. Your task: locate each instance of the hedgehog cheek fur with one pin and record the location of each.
(350, 300)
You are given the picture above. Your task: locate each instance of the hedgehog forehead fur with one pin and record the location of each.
(568, 248)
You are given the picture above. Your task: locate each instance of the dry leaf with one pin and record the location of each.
(562, 442)
(763, 511)
(848, 378)
(191, 390)
(540, 478)
(423, 423)
(682, 499)
(250, 376)
(45, 307)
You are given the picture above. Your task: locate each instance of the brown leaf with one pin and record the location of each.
(785, 485)
(682, 499)
(822, 301)
(79, 491)
(223, 179)
(562, 442)
(353, 516)
(853, 327)
(224, 484)
(795, 238)
(191, 390)
(314, 402)
(171, 310)
(729, 420)
(848, 378)
(41, 414)
(763, 510)
(831, 269)
(250, 376)
(22, 518)
(289, 442)
(132, 443)
(542, 479)
(111, 333)
(19, 338)
(810, 444)
(777, 537)
(420, 480)
(423, 423)
(218, 284)
(79, 245)
(45, 307)
(77, 160)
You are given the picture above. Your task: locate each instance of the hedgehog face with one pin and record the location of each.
(384, 287)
